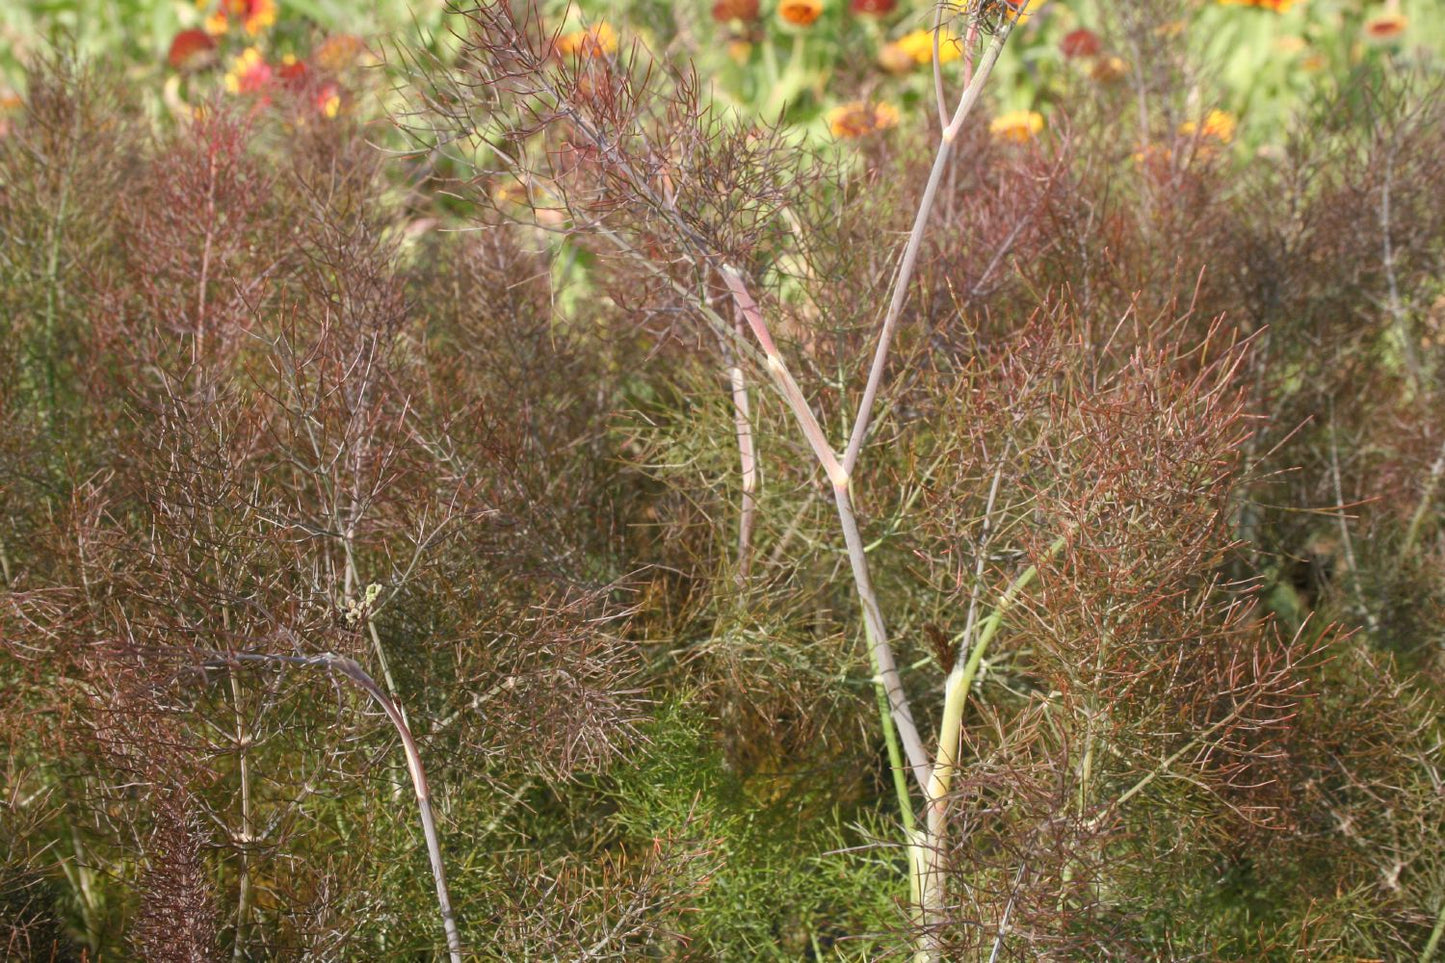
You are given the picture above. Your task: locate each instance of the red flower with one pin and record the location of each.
(192, 50)
(873, 8)
(294, 73)
(1080, 43)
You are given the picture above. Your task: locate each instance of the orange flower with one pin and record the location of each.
(856, 119)
(1277, 6)
(249, 73)
(1155, 160)
(894, 59)
(1386, 26)
(800, 13)
(725, 11)
(10, 103)
(1218, 124)
(339, 52)
(597, 41)
(919, 46)
(255, 15)
(1019, 126)
(1019, 11)
(1109, 69)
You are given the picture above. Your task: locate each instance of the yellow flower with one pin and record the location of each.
(855, 119)
(800, 13)
(1218, 124)
(216, 24)
(598, 41)
(328, 101)
(1019, 126)
(919, 46)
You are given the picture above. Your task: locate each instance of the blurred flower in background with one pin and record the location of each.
(1080, 43)
(254, 16)
(249, 73)
(873, 8)
(857, 119)
(1019, 11)
(726, 11)
(596, 41)
(1019, 126)
(1276, 6)
(1386, 26)
(918, 45)
(1218, 125)
(800, 13)
(192, 50)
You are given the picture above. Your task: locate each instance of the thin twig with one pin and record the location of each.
(1008, 909)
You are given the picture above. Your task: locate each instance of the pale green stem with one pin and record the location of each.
(956, 690)
(1428, 954)
(895, 757)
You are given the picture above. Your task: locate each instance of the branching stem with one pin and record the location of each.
(350, 669)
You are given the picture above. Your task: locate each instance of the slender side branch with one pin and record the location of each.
(782, 377)
(1427, 497)
(747, 455)
(915, 242)
(960, 680)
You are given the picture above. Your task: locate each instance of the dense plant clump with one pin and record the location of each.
(618, 525)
